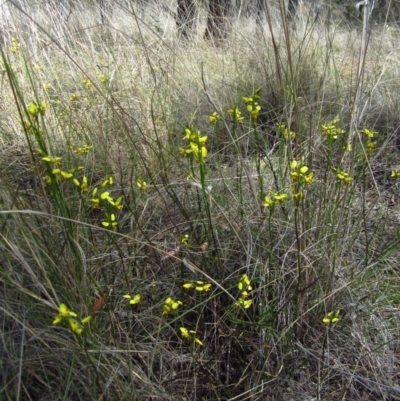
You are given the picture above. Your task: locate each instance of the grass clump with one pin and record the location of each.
(184, 220)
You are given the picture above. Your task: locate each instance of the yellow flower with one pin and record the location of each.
(37, 67)
(134, 300)
(282, 128)
(191, 134)
(309, 179)
(348, 147)
(278, 197)
(189, 335)
(63, 313)
(73, 97)
(199, 152)
(102, 78)
(395, 173)
(298, 196)
(252, 105)
(214, 118)
(47, 179)
(66, 175)
(96, 202)
(87, 319)
(142, 185)
(185, 239)
(244, 286)
(196, 144)
(205, 287)
(83, 150)
(268, 202)
(111, 221)
(68, 317)
(55, 161)
(87, 82)
(15, 45)
(84, 186)
(185, 333)
(287, 134)
(368, 133)
(244, 303)
(254, 113)
(117, 203)
(331, 130)
(75, 169)
(244, 283)
(108, 181)
(331, 318)
(202, 140)
(199, 286)
(171, 305)
(299, 173)
(343, 176)
(33, 109)
(75, 326)
(105, 195)
(236, 114)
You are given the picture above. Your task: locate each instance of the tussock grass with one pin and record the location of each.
(301, 291)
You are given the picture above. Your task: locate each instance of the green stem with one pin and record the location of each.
(299, 267)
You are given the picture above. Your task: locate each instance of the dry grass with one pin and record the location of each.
(130, 88)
